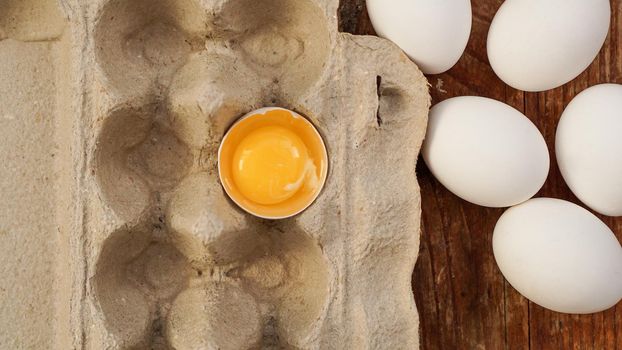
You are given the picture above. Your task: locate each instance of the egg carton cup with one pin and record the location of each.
(158, 256)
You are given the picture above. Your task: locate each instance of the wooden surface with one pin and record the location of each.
(463, 300)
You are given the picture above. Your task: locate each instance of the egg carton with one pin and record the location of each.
(160, 257)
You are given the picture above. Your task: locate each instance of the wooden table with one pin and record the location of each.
(463, 300)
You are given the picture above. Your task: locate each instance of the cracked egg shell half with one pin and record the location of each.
(273, 163)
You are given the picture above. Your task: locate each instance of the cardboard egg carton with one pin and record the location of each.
(152, 254)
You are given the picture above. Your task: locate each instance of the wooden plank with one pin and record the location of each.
(463, 300)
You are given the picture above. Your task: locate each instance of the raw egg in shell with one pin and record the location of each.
(273, 163)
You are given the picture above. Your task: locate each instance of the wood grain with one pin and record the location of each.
(463, 300)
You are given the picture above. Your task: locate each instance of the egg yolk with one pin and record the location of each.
(270, 165)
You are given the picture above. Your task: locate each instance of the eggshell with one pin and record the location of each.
(536, 45)
(433, 33)
(485, 151)
(559, 256)
(589, 148)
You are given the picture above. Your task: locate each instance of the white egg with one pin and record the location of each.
(559, 256)
(537, 45)
(589, 148)
(485, 151)
(433, 33)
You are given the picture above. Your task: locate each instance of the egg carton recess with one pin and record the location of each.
(160, 257)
